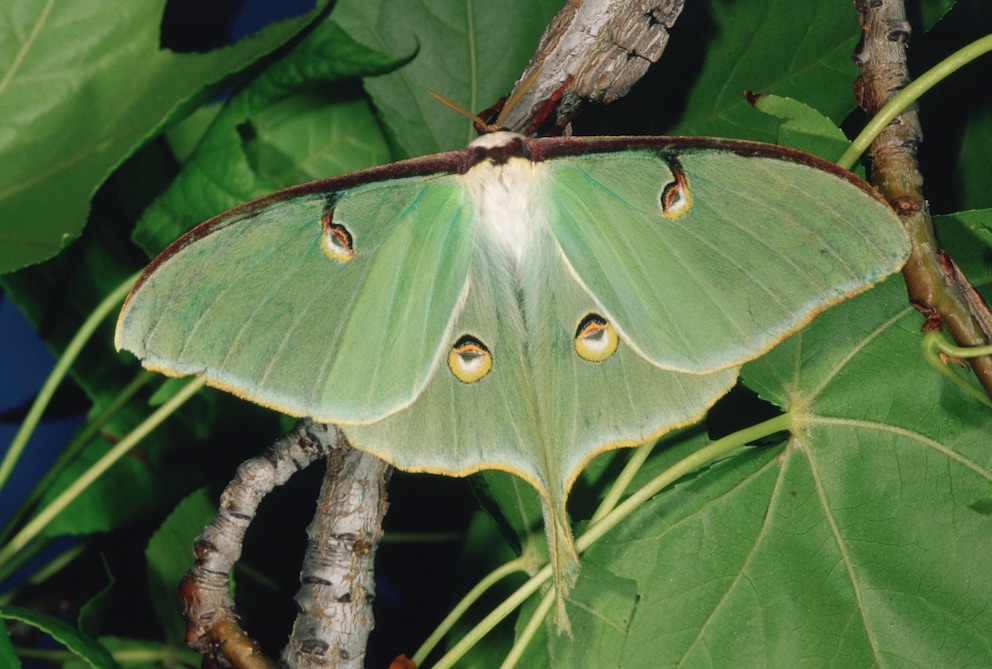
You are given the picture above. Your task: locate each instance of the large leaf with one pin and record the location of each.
(85, 83)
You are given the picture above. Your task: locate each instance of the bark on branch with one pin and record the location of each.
(592, 50)
(337, 578)
(343, 538)
(936, 287)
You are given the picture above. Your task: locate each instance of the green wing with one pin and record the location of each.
(252, 299)
(754, 246)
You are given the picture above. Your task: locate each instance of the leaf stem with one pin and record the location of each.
(19, 559)
(495, 616)
(619, 487)
(65, 361)
(935, 340)
(529, 631)
(525, 562)
(933, 344)
(522, 563)
(907, 96)
(72, 449)
(683, 467)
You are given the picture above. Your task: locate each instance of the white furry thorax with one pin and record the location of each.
(507, 198)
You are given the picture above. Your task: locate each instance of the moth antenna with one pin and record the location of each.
(517, 94)
(478, 122)
(511, 102)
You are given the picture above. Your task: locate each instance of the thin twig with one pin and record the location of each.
(936, 287)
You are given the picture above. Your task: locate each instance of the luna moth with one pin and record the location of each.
(522, 304)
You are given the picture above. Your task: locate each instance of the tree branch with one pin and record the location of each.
(592, 50)
(335, 600)
(211, 623)
(936, 287)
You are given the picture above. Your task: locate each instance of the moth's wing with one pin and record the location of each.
(252, 300)
(706, 257)
(543, 411)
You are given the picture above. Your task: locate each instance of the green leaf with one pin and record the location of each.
(8, 657)
(973, 172)
(977, 227)
(186, 134)
(796, 49)
(469, 52)
(934, 10)
(283, 128)
(88, 648)
(983, 504)
(168, 557)
(95, 611)
(67, 123)
(601, 607)
(140, 654)
(513, 505)
(803, 127)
